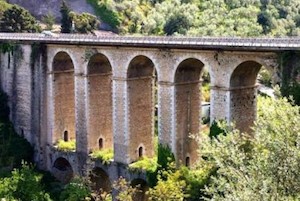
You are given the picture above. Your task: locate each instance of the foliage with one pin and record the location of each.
(4, 6)
(84, 23)
(49, 20)
(105, 13)
(17, 19)
(216, 129)
(264, 166)
(265, 77)
(145, 163)
(124, 190)
(290, 73)
(23, 184)
(9, 140)
(66, 146)
(76, 190)
(66, 21)
(105, 155)
(170, 186)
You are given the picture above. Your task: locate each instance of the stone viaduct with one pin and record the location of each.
(103, 91)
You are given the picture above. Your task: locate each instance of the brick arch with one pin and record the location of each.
(187, 108)
(100, 180)
(141, 101)
(64, 96)
(140, 66)
(62, 170)
(99, 83)
(243, 94)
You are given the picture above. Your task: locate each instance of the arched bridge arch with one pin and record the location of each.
(187, 107)
(99, 84)
(64, 97)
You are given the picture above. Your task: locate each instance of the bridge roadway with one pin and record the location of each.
(198, 43)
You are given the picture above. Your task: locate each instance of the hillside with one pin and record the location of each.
(39, 8)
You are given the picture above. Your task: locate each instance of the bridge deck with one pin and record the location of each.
(206, 43)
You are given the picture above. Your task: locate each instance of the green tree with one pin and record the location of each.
(84, 23)
(23, 184)
(49, 20)
(76, 190)
(261, 166)
(17, 19)
(66, 21)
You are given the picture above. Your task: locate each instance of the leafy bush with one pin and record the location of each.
(76, 190)
(66, 146)
(23, 184)
(105, 155)
(145, 163)
(263, 167)
(170, 186)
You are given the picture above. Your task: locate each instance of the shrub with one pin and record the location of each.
(145, 163)
(105, 155)
(66, 146)
(76, 190)
(23, 184)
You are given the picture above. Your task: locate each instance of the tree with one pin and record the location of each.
(23, 184)
(17, 19)
(84, 23)
(66, 21)
(49, 20)
(262, 166)
(178, 23)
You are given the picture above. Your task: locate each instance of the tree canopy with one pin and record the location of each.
(17, 19)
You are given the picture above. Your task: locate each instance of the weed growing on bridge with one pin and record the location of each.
(105, 155)
(145, 163)
(66, 146)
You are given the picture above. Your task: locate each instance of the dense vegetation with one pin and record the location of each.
(201, 17)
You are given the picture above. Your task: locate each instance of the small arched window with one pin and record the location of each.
(141, 152)
(22, 133)
(187, 161)
(66, 136)
(100, 143)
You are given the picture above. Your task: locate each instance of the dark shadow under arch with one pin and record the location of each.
(100, 180)
(143, 187)
(245, 74)
(62, 170)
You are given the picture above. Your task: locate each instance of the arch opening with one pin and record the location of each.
(64, 97)
(141, 88)
(62, 170)
(188, 107)
(100, 180)
(243, 94)
(142, 187)
(99, 77)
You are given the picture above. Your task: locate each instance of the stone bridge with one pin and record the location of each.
(104, 92)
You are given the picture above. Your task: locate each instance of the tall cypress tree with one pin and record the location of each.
(66, 21)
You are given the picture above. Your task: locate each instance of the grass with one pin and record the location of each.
(66, 146)
(145, 163)
(105, 155)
